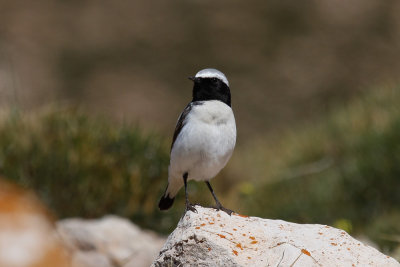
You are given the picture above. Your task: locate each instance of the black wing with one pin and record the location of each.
(182, 120)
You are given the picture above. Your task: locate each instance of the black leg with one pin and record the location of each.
(218, 204)
(188, 205)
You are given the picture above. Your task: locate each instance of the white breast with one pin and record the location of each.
(205, 143)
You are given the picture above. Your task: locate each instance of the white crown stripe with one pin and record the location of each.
(212, 73)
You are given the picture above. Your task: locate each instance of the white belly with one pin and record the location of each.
(205, 143)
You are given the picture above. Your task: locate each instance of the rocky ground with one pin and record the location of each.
(29, 237)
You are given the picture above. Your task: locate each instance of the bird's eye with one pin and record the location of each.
(214, 80)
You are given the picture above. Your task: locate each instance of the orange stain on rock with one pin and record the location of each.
(235, 252)
(244, 235)
(304, 251)
(333, 244)
(198, 227)
(222, 236)
(203, 224)
(209, 249)
(252, 237)
(240, 215)
(254, 242)
(234, 229)
(249, 258)
(239, 246)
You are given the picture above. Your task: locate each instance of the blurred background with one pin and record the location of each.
(90, 92)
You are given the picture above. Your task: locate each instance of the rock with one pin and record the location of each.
(27, 233)
(109, 241)
(90, 258)
(211, 238)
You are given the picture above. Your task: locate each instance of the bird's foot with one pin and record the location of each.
(220, 207)
(190, 207)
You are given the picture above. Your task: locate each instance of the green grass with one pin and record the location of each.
(83, 166)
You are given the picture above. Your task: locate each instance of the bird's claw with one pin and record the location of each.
(190, 207)
(220, 207)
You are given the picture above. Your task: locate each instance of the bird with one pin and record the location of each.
(204, 138)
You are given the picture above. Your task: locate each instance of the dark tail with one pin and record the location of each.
(165, 202)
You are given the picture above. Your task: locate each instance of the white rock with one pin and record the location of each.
(211, 238)
(90, 258)
(110, 241)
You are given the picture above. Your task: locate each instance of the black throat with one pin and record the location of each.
(211, 89)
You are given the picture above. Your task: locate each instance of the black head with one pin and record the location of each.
(211, 84)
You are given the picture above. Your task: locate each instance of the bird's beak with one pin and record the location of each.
(192, 78)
